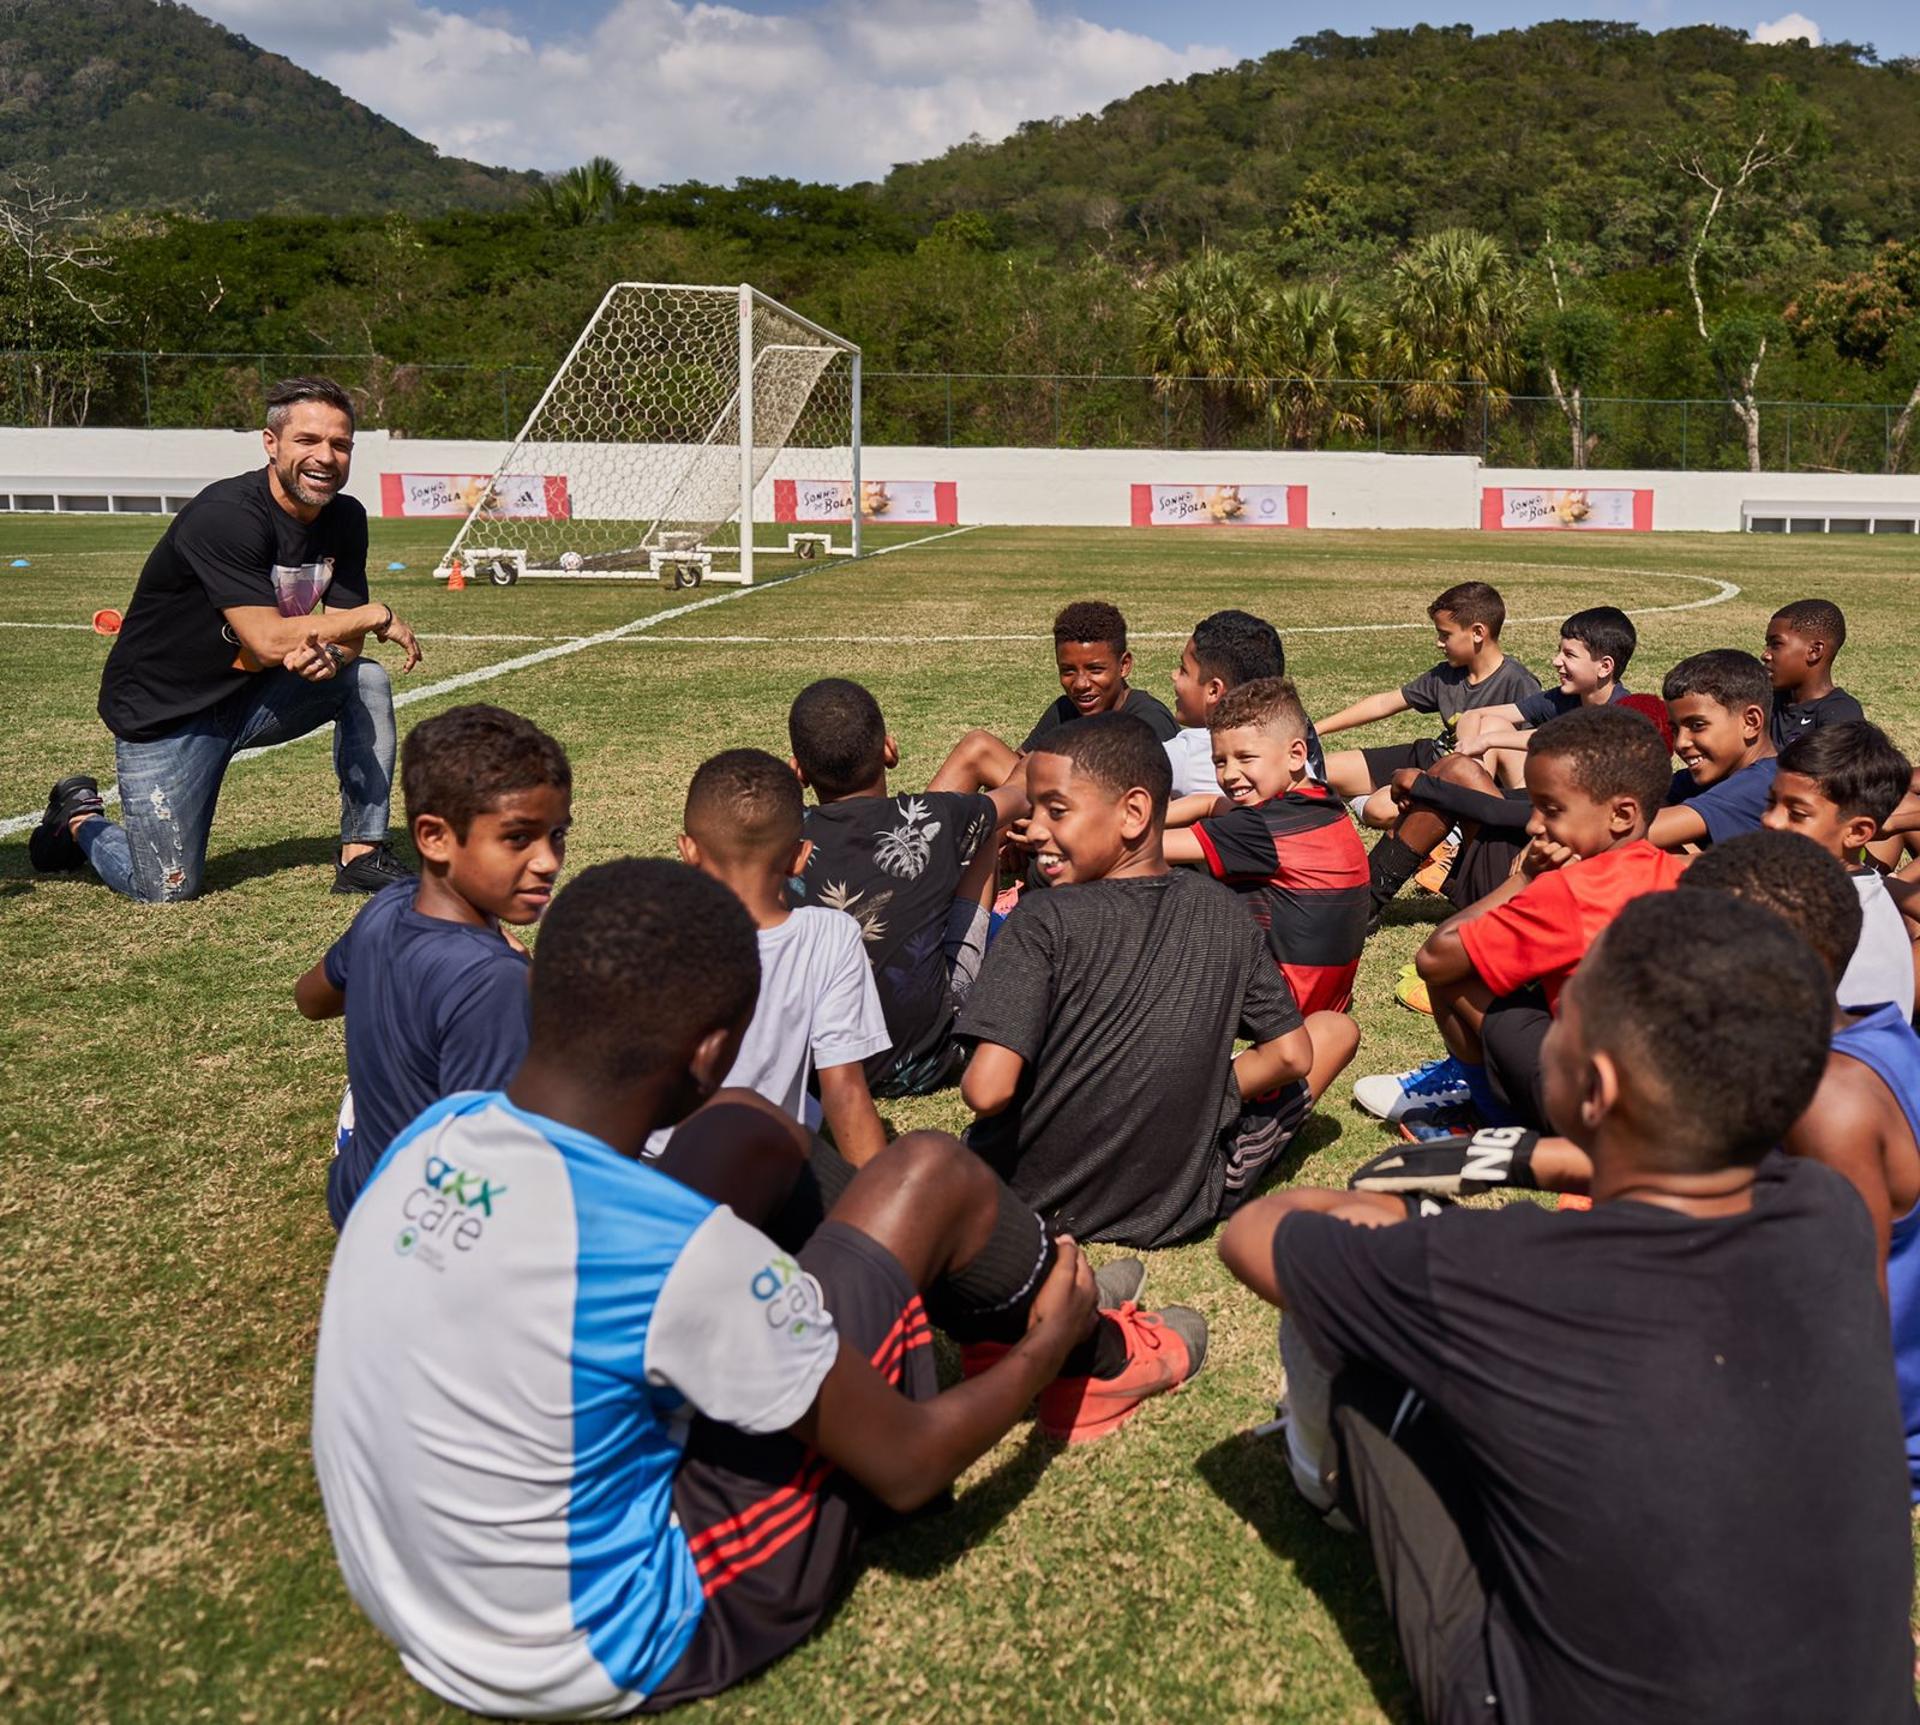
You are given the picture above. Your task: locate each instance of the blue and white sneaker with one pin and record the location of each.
(1388, 1095)
(1439, 1120)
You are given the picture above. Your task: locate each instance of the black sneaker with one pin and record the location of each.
(51, 847)
(371, 871)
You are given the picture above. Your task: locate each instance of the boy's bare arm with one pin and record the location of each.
(1010, 801)
(316, 997)
(1675, 828)
(1381, 706)
(1246, 1244)
(847, 1105)
(1184, 811)
(1268, 1065)
(1182, 845)
(991, 1079)
(1845, 1128)
(904, 1451)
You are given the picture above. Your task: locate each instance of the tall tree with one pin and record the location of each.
(54, 290)
(1210, 324)
(1450, 325)
(581, 196)
(1320, 338)
(1576, 340)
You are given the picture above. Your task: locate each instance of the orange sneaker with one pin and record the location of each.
(1164, 1350)
(1432, 876)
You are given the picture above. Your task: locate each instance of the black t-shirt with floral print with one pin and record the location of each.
(894, 864)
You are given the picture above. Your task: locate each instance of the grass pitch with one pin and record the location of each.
(167, 1115)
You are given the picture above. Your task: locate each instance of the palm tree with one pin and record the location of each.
(1451, 321)
(583, 195)
(1321, 336)
(1210, 321)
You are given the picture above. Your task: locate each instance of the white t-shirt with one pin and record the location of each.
(818, 1007)
(1191, 753)
(1881, 969)
(519, 1322)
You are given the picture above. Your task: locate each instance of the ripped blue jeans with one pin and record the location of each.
(169, 787)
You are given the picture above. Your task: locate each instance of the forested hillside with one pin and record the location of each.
(1523, 243)
(143, 104)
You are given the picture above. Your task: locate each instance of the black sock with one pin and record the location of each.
(1102, 1355)
(1390, 866)
(987, 1299)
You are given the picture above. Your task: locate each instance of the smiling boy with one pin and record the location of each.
(1103, 1021)
(1718, 702)
(1596, 646)
(1495, 972)
(433, 987)
(1836, 785)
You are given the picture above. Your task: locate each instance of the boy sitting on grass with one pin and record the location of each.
(1555, 1431)
(1803, 640)
(1596, 646)
(1472, 673)
(591, 1440)
(433, 987)
(818, 1015)
(1225, 650)
(1495, 972)
(1717, 702)
(1104, 1018)
(1284, 843)
(1090, 653)
(1836, 785)
(916, 872)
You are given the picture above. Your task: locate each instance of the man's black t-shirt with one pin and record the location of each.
(1138, 705)
(893, 864)
(1796, 718)
(1123, 997)
(1682, 1437)
(176, 655)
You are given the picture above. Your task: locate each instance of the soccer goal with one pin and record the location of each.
(657, 450)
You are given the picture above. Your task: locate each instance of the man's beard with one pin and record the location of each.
(294, 487)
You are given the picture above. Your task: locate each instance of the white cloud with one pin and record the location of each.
(1793, 27)
(689, 89)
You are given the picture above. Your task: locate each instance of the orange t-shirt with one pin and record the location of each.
(1544, 932)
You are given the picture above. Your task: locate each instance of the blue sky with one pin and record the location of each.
(842, 89)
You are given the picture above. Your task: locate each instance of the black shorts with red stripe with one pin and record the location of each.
(773, 1525)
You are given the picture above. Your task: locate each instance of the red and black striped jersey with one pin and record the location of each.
(1299, 865)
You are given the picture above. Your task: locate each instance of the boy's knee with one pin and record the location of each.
(938, 1163)
(1460, 770)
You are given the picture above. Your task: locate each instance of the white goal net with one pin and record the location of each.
(690, 430)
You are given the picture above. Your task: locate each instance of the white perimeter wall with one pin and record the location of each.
(1023, 487)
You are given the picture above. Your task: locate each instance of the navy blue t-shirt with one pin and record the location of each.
(433, 1007)
(1732, 806)
(1551, 703)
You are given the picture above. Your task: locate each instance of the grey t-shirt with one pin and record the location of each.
(1445, 690)
(1123, 997)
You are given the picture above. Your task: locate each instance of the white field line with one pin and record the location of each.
(577, 644)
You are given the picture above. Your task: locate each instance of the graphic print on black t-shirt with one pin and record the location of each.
(893, 864)
(176, 654)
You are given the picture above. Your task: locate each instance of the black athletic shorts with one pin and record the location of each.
(1390, 758)
(772, 1525)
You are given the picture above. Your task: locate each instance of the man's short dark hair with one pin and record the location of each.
(1236, 647)
(1091, 620)
(638, 960)
(744, 803)
(289, 391)
(1269, 704)
(1472, 602)
(1717, 1014)
(1609, 753)
(1788, 874)
(1606, 632)
(1818, 620)
(1855, 765)
(460, 763)
(1118, 753)
(839, 738)
(1724, 675)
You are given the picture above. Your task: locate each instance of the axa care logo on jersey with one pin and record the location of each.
(789, 1295)
(447, 1211)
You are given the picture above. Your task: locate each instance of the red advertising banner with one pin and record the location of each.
(514, 496)
(1219, 506)
(935, 501)
(1581, 509)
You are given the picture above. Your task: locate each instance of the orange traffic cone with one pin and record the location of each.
(456, 578)
(106, 622)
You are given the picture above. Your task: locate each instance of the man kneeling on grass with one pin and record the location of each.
(591, 1440)
(1640, 1464)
